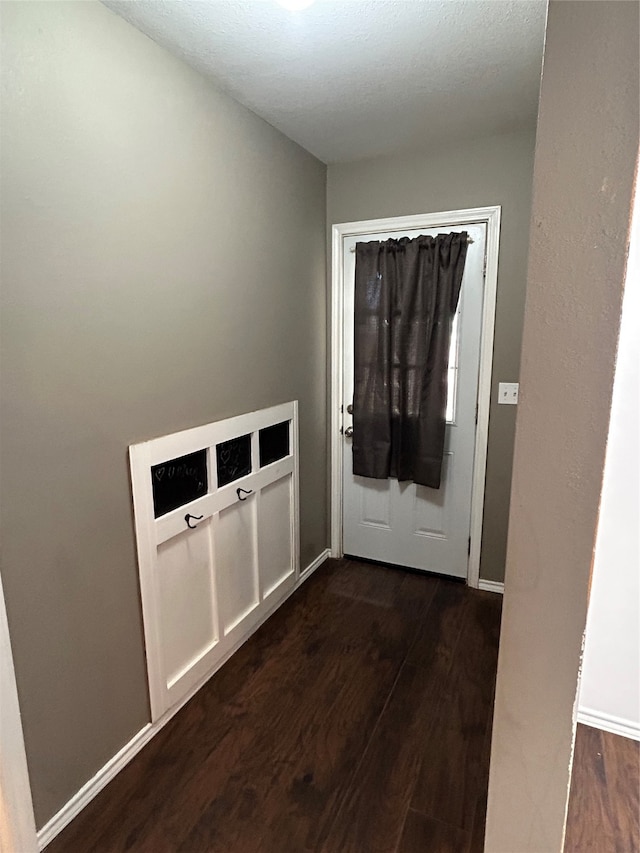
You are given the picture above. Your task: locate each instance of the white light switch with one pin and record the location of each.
(508, 393)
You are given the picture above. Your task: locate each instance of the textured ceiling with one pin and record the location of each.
(349, 79)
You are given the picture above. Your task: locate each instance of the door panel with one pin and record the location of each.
(375, 499)
(236, 572)
(432, 507)
(401, 523)
(275, 534)
(185, 582)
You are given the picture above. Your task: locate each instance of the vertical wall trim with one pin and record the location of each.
(17, 824)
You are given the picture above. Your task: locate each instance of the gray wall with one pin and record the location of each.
(585, 160)
(478, 173)
(163, 266)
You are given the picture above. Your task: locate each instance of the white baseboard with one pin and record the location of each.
(89, 790)
(491, 586)
(315, 564)
(106, 773)
(609, 723)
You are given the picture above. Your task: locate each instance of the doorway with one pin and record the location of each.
(401, 523)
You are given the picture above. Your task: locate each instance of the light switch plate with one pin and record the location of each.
(508, 393)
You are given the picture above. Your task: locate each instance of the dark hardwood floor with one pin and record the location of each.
(604, 802)
(356, 720)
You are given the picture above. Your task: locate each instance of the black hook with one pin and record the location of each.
(197, 518)
(244, 492)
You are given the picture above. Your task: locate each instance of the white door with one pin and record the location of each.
(403, 523)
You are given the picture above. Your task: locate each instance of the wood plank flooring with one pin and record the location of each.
(604, 803)
(356, 719)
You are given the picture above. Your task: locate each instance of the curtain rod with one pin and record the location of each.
(469, 240)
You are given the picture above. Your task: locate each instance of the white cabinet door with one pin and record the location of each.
(403, 523)
(217, 529)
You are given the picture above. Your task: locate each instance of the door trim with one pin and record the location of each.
(17, 824)
(452, 218)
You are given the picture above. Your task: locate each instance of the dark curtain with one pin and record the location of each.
(406, 294)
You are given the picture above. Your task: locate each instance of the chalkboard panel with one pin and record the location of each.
(274, 443)
(234, 459)
(179, 481)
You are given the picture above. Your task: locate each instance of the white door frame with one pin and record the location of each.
(451, 218)
(17, 824)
